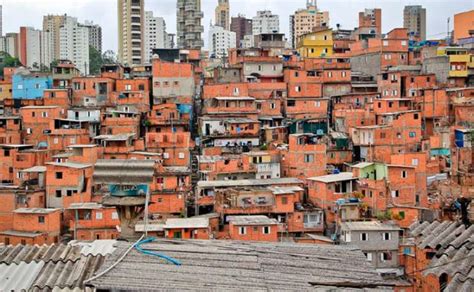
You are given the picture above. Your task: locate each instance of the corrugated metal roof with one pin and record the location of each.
(236, 266)
(124, 171)
(19, 277)
(70, 164)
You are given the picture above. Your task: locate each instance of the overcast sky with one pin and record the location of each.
(18, 13)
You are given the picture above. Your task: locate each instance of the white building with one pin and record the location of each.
(265, 22)
(1, 20)
(95, 35)
(74, 44)
(220, 41)
(155, 35)
(35, 47)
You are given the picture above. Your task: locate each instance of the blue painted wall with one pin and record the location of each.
(30, 86)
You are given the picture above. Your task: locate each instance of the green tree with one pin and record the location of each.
(109, 57)
(95, 61)
(8, 61)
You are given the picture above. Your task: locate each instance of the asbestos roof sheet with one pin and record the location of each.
(333, 177)
(96, 247)
(34, 169)
(249, 182)
(84, 206)
(34, 253)
(454, 246)
(67, 274)
(196, 222)
(277, 190)
(238, 266)
(252, 220)
(35, 210)
(20, 233)
(368, 226)
(70, 164)
(19, 277)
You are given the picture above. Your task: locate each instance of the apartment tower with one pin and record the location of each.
(131, 23)
(305, 20)
(414, 19)
(223, 14)
(242, 27)
(188, 24)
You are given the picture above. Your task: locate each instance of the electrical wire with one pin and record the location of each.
(147, 252)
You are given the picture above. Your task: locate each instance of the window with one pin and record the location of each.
(114, 215)
(128, 87)
(59, 175)
(166, 155)
(68, 193)
(386, 236)
(55, 141)
(266, 229)
(368, 255)
(98, 215)
(20, 86)
(364, 237)
(284, 200)
(290, 103)
(414, 162)
(386, 256)
(181, 155)
(395, 194)
(297, 88)
(382, 135)
(317, 103)
(44, 114)
(242, 230)
(272, 105)
(41, 219)
(385, 43)
(404, 174)
(308, 158)
(58, 194)
(37, 86)
(6, 152)
(415, 116)
(404, 43)
(412, 134)
(343, 73)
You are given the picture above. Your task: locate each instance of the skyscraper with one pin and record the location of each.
(305, 20)
(155, 35)
(242, 27)
(95, 35)
(35, 48)
(1, 20)
(52, 24)
(223, 14)
(74, 44)
(188, 24)
(131, 23)
(414, 19)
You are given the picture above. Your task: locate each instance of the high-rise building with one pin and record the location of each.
(265, 22)
(74, 44)
(305, 20)
(1, 20)
(95, 35)
(155, 35)
(242, 27)
(131, 23)
(188, 24)
(463, 25)
(223, 14)
(414, 19)
(371, 19)
(52, 24)
(220, 41)
(35, 48)
(9, 44)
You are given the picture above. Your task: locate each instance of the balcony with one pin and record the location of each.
(189, 7)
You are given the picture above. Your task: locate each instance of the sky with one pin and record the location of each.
(18, 13)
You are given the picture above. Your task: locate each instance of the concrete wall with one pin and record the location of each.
(437, 65)
(369, 64)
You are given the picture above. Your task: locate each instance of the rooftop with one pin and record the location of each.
(252, 220)
(368, 226)
(229, 265)
(35, 210)
(196, 222)
(333, 177)
(70, 164)
(248, 182)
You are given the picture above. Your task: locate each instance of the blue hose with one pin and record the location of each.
(144, 251)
